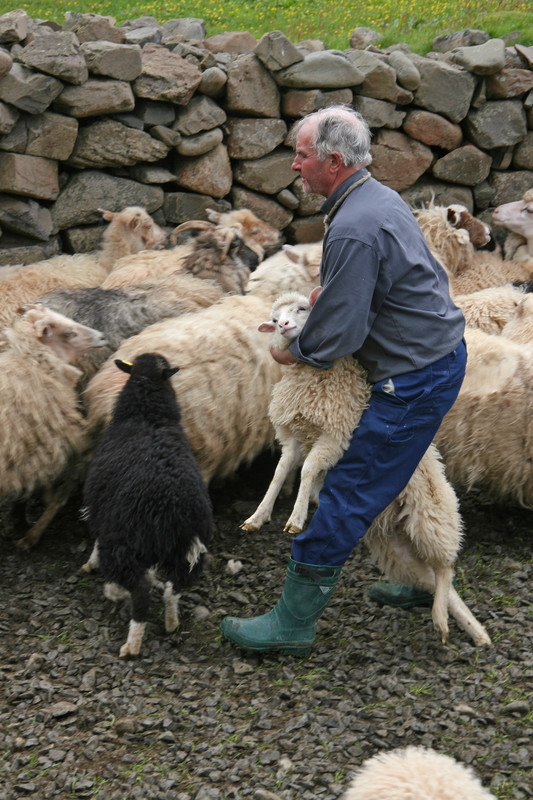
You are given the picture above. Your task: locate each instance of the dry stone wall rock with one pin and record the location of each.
(98, 115)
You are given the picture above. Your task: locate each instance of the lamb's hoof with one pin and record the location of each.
(247, 525)
(126, 651)
(292, 528)
(482, 639)
(87, 567)
(24, 543)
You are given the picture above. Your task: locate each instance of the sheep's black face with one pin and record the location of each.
(152, 366)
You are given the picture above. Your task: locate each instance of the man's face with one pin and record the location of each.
(316, 175)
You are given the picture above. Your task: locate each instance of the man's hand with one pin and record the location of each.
(283, 356)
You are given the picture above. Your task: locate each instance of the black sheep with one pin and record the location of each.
(145, 499)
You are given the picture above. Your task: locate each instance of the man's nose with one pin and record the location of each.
(296, 164)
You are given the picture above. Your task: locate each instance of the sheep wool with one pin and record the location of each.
(415, 773)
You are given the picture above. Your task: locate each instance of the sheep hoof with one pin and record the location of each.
(482, 638)
(292, 528)
(250, 526)
(126, 651)
(87, 567)
(24, 544)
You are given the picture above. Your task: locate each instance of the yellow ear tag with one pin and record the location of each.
(128, 363)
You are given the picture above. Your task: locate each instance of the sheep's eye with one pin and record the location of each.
(302, 309)
(274, 320)
(528, 210)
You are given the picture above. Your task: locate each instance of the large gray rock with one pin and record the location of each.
(269, 174)
(208, 174)
(57, 53)
(88, 191)
(432, 129)
(300, 102)
(497, 124)
(201, 114)
(509, 83)
(180, 207)
(108, 143)
(213, 82)
(30, 176)
(143, 36)
(154, 113)
(510, 186)
(93, 27)
(183, 28)
(406, 71)
(482, 59)
(6, 62)
(201, 143)
(48, 135)
(465, 165)
(166, 76)
(96, 96)
(254, 138)
(151, 173)
(444, 88)
(523, 153)
(231, 42)
(379, 78)
(28, 90)
(469, 37)
(364, 37)
(397, 160)
(275, 51)
(378, 113)
(123, 62)
(18, 250)
(250, 89)
(14, 26)
(329, 69)
(25, 217)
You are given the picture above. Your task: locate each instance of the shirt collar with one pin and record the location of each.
(330, 201)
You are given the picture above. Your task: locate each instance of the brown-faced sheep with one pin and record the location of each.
(314, 413)
(415, 773)
(129, 231)
(469, 270)
(44, 432)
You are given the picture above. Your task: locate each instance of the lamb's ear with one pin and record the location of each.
(125, 366)
(266, 327)
(106, 215)
(168, 373)
(314, 294)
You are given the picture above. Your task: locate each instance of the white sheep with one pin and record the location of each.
(129, 231)
(518, 218)
(44, 432)
(226, 370)
(486, 439)
(490, 309)
(468, 269)
(415, 773)
(314, 413)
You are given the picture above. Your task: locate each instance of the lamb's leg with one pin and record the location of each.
(290, 456)
(93, 562)
(171, 600)
(325, 452)
(140, 603)
(466, 619)
(36, 531)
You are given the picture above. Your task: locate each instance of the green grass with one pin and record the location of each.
(416, 22)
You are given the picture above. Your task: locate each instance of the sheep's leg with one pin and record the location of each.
(94, 560)
(115, 592)
(171, 600)
(325, 452)
(290, 456)
(140, 603)
(466, 619)
(34, 534)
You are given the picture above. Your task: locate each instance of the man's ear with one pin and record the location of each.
(336, 161)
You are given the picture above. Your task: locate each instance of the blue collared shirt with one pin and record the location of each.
(385, 298)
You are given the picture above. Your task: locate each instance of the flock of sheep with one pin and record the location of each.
(73, 353)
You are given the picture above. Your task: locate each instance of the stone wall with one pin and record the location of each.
(95, 115)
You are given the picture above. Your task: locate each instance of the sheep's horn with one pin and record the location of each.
(191, 224)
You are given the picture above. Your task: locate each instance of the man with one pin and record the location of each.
(385, 299)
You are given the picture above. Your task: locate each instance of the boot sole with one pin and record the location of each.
(288, 649)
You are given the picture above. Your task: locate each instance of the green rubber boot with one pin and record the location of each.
(400, 596)
(290, 626)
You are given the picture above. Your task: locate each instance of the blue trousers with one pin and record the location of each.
(395, 431)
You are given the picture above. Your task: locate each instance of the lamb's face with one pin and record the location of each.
(516, 217)
(290, 318)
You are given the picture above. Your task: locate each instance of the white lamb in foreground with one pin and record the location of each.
(314, 413)
(415, 773)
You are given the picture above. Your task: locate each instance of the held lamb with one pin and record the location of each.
(415, 773)
(146, 502)
(44, 431)
(129, 231)
(416, 538)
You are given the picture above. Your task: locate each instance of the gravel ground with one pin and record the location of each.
(194, 718)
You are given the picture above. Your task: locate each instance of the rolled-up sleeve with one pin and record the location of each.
(345, 310)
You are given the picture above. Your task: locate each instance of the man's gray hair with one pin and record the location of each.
(339, 129)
